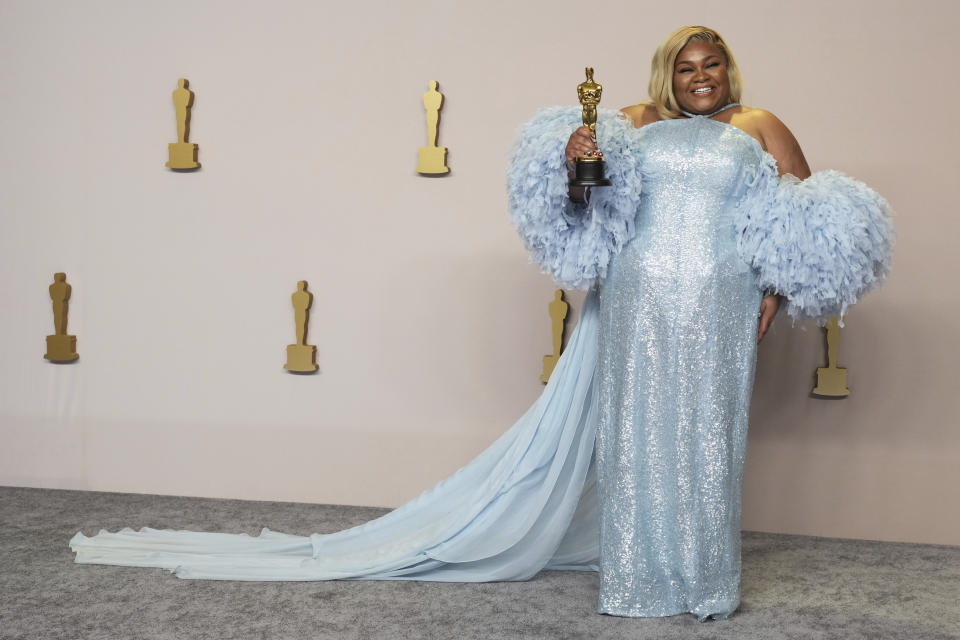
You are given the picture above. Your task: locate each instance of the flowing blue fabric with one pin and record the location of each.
(631, 460)
(574, 244)
(504, 516)
(822, 242)
(680, 290)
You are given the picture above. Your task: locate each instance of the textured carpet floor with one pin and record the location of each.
(793, 586)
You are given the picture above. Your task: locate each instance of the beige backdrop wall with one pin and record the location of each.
(429, 321)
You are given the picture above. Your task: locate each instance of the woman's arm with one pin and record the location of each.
(781, 144)
(581, 142)
(573, 243)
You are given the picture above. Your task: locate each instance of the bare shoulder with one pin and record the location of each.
(777, 139)
(771, 129)
(642, 114)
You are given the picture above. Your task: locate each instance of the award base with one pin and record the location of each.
(432, 161)
(831, 383)
(61, 348)
(301, 358)
(183, 155)
(549, 362)
(588, 172)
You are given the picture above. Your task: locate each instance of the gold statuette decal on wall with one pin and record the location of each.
(60, 346)
(432, 159)
(301, 357)
(558, 316)
(832, 380)
(183, 154)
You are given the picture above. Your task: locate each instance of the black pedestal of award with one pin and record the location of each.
(588, 172)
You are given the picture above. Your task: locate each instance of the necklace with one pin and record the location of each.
(709, 115)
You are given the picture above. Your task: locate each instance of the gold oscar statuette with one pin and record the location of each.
(432, 160)
(183, 154)
(589, 169)
(832, 380)
(60, 346)
(301, 357)
(558, 314)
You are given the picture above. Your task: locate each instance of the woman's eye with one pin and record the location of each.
(684, 70)
(713, 64)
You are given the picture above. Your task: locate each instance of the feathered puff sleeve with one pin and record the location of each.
(570, 241)
(822, 242)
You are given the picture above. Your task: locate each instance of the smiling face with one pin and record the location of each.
(700, 82)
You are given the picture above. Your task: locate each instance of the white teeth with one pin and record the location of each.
(703, 90)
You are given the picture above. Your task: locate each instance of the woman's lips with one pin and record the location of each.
(702, 91)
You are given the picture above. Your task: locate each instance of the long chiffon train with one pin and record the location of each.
(527, 503)
(658, 375)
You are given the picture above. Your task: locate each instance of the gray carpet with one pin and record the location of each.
(793, 586)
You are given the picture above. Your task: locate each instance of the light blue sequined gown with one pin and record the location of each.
(678, 335)
(630, 461)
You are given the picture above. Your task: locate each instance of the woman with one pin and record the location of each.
(678, 319)
(704, 80)
(695, 239)
(657, 374)
(697, 227)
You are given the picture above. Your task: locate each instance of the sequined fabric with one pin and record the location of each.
(677, 349)
(631, 459)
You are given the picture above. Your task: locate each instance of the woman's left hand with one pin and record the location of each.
(768, 309)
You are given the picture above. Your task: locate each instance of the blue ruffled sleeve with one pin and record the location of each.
(822, 242)
(573, 242)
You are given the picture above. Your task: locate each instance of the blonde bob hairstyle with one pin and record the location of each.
(665, 58)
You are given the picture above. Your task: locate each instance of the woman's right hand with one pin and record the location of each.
(580, 144)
